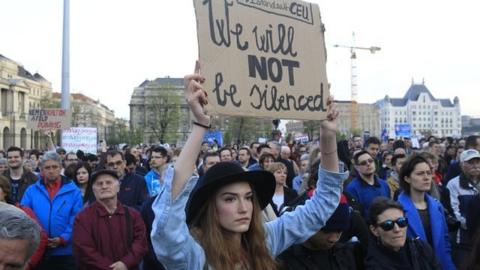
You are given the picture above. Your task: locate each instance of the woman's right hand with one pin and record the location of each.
(196, 97)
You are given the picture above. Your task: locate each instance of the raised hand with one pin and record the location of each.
(196, 97)
(330, 124)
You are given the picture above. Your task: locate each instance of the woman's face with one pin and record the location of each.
(82, 176)
(421, 178)
(234, 204)
(267, 162)
(394, 238)
(280, 177)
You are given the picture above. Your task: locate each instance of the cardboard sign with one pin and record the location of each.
(80, 138)
(263, 58)
(48, 119)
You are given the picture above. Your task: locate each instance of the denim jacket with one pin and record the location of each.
(176, 248)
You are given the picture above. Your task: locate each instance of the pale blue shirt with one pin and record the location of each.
(176, 248)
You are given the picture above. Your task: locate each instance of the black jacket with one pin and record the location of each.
(133, 191)
(415, 255)
(27, 179)
(289, 196)
(298, 257)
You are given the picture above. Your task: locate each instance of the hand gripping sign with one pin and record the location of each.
(263, 58)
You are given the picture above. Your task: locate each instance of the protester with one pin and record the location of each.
(394, 181)
(323, 250)
(20, 179)
(133, 190)
(244, 157)
(225, 154)
(463, 189)
(226, 231)
(158, 162)
(390, 248)
(19, 238)
(5, 198)
(366, 186)
(426, 218)
(53, 193)
(283, 195)
(81, 178)
(107, 234)
(302, 174)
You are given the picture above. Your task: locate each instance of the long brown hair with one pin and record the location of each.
(219, 251)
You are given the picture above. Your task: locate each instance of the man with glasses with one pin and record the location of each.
(158, 162)
(366, 186)
(20, 179)
(133, 190)
(55, 200)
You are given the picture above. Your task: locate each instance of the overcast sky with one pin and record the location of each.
(117, 44)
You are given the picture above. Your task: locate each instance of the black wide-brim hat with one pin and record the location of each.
(224, 173)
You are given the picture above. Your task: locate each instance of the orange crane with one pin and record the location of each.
(353, 73)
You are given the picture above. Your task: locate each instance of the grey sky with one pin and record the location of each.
(116, 44)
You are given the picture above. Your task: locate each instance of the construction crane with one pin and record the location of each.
(353, 73)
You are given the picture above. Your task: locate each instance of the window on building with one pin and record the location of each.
(21, 102)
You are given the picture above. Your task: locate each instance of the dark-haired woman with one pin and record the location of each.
(81, 177)
(390, 248)
(222, 227)
(425, 214)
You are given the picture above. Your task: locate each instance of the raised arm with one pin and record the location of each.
(196, 98)
(328, 138)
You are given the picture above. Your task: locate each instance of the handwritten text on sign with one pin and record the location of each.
(80, 138)
(48, 119)
(263, 58)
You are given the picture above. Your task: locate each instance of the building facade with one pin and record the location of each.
(87, 112)
(20, 91)
(157, 107)
(368, 118)
(425, 114)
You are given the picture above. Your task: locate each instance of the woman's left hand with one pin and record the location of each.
(330, 124)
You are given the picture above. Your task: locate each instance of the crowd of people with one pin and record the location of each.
(353, 204)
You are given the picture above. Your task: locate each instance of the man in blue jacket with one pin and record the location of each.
(366, 186)
(133, 190)
(55, 201)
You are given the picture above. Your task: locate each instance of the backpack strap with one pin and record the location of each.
(128, 220)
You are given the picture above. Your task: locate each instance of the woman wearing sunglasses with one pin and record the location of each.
(391, 248)
(426, 219)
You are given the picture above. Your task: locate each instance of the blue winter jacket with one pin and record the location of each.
(56, 216)
(440, 235)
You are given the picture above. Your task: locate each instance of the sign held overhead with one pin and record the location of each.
(263, 58)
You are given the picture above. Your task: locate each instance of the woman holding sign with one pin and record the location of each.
(222, 226)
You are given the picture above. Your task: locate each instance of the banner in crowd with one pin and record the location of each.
(263, 58)
(403, 130)
(213, 135)
(302, 138)
(48, 119)
(80, 138)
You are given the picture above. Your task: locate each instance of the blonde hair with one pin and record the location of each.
(275, 166)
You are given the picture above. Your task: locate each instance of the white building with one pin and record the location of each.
(425, 113)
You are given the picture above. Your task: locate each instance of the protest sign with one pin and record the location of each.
(80, 138)
(48, 119)
(263, 58)
(403, 130)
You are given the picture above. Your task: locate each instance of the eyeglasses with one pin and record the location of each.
(113, 164)
(388, 225)
(366, 162)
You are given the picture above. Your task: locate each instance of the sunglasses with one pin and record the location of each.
(388, 225)
(365, 162)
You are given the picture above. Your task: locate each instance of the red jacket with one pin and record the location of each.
(99, 240)
(38, 254)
